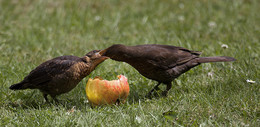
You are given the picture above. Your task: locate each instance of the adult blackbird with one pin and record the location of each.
(61, 74)
(162, 63)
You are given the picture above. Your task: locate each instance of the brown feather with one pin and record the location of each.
(60, 75)
(162, 63)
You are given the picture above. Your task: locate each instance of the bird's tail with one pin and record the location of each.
(215, 59)
(19, 86)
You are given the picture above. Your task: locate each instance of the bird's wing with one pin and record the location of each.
(49, 69)
(164, 56)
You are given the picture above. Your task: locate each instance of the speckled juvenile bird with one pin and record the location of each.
(162, 63)
(61, 74)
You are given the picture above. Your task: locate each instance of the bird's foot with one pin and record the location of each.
(46, 98)
(56, 101)
(152, 94)
(157, 93)
(149, 95)
(164, 93)
(53, 101)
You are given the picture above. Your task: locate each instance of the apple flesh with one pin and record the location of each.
(103, 92)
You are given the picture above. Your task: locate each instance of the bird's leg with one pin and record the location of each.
(45, 97)
(55, 99)
(117, 102)
(169, 86)
(155, 88)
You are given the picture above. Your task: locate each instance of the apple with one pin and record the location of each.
(104, 92)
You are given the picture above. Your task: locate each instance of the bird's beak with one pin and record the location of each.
(99, 60)
(102, 58)
(102, 52)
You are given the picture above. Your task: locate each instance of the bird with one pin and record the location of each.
(61, 74)
(162, 63)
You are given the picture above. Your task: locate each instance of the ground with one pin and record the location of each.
(212, 94)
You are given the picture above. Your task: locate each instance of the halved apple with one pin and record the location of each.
(102, 92)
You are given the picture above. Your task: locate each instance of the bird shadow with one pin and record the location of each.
(136, 97)
(29, 102)
(26, 105)
(39, 105)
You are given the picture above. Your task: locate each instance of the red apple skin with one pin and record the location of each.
(102, 92)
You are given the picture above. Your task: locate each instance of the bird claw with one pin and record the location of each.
(149, 96)
(164, 93)
(56, 100)
(153, 93)
(156, 93)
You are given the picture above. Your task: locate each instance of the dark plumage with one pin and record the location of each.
(61, 74)
(162, 63)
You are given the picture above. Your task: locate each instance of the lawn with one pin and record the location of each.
(212, 94)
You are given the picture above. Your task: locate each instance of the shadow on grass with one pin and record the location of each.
(36, 101)
(39, 105)
(67, 104)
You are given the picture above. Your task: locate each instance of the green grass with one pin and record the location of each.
(34, 31)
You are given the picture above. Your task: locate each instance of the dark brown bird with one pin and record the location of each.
(162, 63)
(61, 74)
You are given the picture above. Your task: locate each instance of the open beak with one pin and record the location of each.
(100, 60)
(101, 53)
(104, 58)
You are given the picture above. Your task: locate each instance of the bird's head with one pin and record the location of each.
(114, 51)
(95, 57)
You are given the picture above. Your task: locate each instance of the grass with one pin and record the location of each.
(34, 31)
